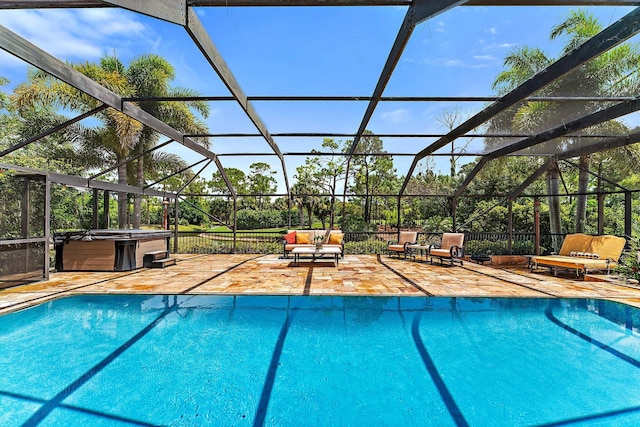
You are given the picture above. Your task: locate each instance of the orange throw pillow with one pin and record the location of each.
(290, 237)
(302, 239)
(335, 238)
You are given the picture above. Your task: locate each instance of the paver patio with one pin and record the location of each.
(355, 275)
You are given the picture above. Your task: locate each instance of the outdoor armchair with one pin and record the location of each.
(405, 239)
(451, 249)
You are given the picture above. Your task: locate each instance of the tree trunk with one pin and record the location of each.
(553, 191)
(367, 201)
(301, 213)
(581, 200)
(137, 201)
(122, 197)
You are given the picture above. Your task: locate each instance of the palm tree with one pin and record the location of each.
(612, 73)
(150, 76)
(119, 135)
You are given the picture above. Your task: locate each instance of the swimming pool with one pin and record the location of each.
(270, 360)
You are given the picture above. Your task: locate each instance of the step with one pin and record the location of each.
(157, 254)
(162, 263)
(151, 257)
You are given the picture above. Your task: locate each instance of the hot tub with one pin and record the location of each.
(107, 250)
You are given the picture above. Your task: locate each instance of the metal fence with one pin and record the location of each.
(354, 242)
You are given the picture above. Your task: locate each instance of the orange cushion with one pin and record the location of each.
(575, 243)
(302, 239)
(335, 238)
(290, 237)
(607, 246)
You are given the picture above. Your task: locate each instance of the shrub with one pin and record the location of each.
(499, 247)
(248, 219)
(629, 265)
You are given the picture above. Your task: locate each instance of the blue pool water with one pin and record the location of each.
(338, 361)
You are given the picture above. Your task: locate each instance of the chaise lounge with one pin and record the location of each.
(583, 253)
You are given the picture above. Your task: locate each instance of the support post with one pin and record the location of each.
(105, 213)
(536, 225)
(25, 210)
(289, 206)
(235, 223)
(25, 214)
(47, 227)
(454, 213)
(175, 231)
(510, 227)
(94, 210)
(627, 213)
(165, 213)
(600, 213)
(398, 217)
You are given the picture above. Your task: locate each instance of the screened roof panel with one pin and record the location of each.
(311, 116)
(333, 48)
(341, 51)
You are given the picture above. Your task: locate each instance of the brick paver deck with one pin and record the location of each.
(355, 275)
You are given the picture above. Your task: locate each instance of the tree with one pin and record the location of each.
(614, 72)
(119, 135)
(327, 171)
(150, 76)
(236, 177)
(450, 118)
(261, 181)
(371, 172)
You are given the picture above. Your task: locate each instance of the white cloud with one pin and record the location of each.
(399, 115)
(492, 30)
(440, 28)
(453, 63)
(484, 57)
(72, 35)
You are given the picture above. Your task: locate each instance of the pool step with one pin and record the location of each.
(158, 259)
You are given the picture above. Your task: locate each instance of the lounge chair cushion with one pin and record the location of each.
(407, 236)
(452, 239)
(290, 247)
(445, 253)
(607, 246)
(574, 262)
(576, 243)
(396, 248)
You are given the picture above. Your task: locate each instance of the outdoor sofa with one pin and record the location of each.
(583, 253)
(307, 238)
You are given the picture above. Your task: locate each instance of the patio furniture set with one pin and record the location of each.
(450, 251)
(314, 243)
(580, 252)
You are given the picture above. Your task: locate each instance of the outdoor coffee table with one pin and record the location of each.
(415, 248)
(316, 253)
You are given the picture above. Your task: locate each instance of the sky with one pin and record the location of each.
(310, 51)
